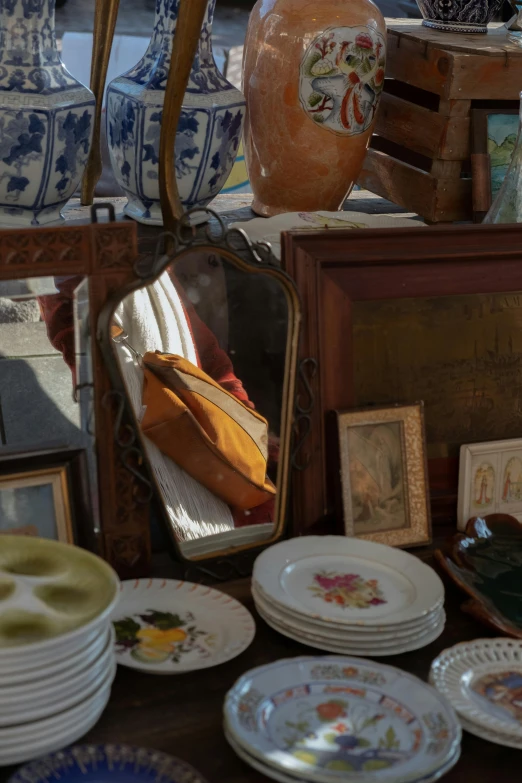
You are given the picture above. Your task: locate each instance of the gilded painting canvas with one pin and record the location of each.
(377, 477)
(383, 474)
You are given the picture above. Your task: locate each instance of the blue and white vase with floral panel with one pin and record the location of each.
(208, 133)
(46, 117)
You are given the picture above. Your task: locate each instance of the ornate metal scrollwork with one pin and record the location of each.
(131, 454)
(222, 570)
(186, 236)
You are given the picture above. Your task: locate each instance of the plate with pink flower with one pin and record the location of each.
(348, 582)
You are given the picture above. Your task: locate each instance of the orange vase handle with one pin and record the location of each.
(105, 15)
(188, 29)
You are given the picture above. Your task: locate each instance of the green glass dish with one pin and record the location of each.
(486, 562)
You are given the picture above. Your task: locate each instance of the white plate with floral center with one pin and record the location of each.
(348, 581)
(333, 718)
(329, 630)
(166, 626)
(483, 681)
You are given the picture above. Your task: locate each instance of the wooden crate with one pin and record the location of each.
(419, 157)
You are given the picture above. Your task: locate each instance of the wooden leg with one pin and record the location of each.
(186, 37)
(105, 15)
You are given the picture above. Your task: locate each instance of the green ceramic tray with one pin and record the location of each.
(486, 562)
(48, 589)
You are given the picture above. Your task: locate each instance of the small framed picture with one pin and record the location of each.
(384, 475)
(490, 480)
(45, 494)
(493, 139)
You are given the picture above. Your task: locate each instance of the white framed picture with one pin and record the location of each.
(490, 480)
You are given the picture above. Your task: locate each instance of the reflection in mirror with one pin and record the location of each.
(231, 327)
(37, 408)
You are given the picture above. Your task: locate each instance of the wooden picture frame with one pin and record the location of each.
(335, 270)
(485, 182)
(63, 474)
(487, 480)
(384, 479)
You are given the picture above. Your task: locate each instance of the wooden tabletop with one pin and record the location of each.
(182, 715)
(236, 207)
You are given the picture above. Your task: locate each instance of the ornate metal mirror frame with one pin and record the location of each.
(234, 246)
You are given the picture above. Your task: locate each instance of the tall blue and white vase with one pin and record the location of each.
(208, 133)
(46, 117)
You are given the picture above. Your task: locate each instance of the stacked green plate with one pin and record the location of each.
(56, 644)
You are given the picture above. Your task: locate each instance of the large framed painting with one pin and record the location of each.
(395, 316)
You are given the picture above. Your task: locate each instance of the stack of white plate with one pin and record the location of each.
(483, 681)
(57, 659)
(349, 596)
(331, 719)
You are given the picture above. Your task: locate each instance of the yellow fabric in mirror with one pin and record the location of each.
(205, 430)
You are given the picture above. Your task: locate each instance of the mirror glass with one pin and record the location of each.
(232, 325)
(38, 411)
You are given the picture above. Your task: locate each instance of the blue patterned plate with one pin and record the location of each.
(107, 764)
(335, 719)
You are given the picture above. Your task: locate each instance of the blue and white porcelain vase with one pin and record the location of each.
(46, 117)
(208, 133)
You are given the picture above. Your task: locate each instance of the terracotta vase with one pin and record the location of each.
(313, 75)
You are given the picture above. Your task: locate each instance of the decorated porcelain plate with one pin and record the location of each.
(491, 736)
(346, 646)
(166, 627)
(348, 581)
(50, 594)
(110, 764)
(271, 772)
(364, 636)
(483, 681)
(326, 718)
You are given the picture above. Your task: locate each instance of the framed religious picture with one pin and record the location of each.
(400, 315)
(384, 476)
(46, 494)
(493, 138)
(490, 480)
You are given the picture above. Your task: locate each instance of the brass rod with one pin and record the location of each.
(186, 37)
(105, 15)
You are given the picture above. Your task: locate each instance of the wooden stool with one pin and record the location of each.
(420, 157)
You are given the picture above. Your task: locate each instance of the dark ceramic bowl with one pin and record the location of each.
(459, 16)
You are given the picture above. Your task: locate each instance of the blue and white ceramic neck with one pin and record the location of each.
(29, 58)
(45, 117)
(153, 68)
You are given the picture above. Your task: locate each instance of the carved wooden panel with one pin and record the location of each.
(106, 253)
